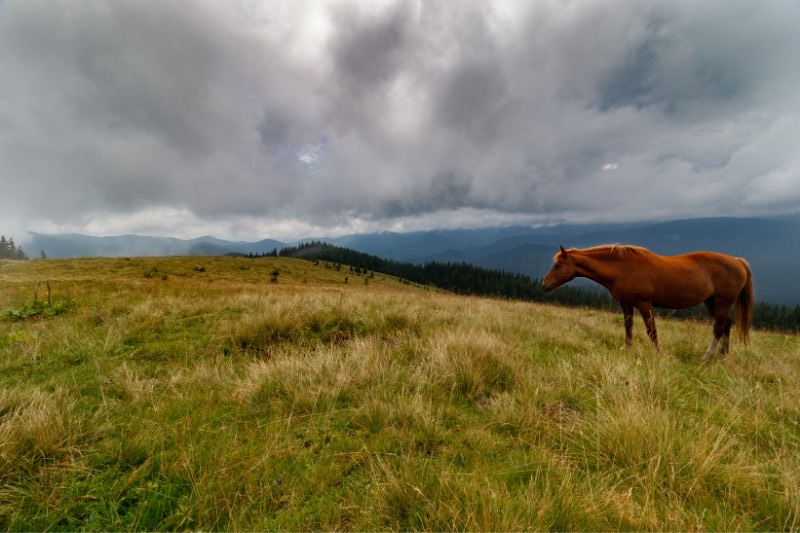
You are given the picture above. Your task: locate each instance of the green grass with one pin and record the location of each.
(194, 393)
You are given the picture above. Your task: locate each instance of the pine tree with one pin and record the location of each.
(9, 250)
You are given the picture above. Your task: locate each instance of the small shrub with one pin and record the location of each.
(41, 309)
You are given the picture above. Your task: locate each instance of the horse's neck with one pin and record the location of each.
(603, 269)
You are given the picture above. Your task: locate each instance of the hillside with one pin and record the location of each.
(194, 393)
(771, 245)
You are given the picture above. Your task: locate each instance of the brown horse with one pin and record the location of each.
(638, 278)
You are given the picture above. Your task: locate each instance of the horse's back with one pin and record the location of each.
(685, 280)
(728, 274)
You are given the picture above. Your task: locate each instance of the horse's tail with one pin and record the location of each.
(744, 304)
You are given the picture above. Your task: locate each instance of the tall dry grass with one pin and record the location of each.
(214, 399)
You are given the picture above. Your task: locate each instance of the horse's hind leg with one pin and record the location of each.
(714, 340)
(724, 344)
(722, 326)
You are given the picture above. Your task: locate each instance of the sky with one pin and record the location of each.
(248, 119)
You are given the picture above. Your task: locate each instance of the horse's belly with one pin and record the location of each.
(675, 304)
(682, 296)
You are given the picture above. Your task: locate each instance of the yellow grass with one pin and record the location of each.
(193, 393)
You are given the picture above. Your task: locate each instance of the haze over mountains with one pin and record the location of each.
(772, 246)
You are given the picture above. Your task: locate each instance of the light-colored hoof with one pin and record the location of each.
(712, 348)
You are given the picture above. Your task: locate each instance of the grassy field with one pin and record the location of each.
(193, 393)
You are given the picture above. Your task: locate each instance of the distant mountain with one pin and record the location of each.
(418, 246)
(76, 245)
(772, 246)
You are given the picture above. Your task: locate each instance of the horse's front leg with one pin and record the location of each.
(627, 314)
(646, 310)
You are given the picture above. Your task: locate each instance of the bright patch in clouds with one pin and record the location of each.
(310, 154)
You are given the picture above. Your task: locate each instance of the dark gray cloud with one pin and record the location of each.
(255, 119)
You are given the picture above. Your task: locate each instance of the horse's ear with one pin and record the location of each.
(563, 251)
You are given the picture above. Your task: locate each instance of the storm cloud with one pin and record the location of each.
(251, 119)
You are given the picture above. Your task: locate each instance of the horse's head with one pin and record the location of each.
(562, 271)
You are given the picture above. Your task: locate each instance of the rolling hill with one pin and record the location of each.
(772, 246)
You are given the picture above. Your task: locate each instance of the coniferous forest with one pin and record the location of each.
(9, 250)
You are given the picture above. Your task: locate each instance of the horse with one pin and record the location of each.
(638, 278)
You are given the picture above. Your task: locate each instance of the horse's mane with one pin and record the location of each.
(620, 250)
